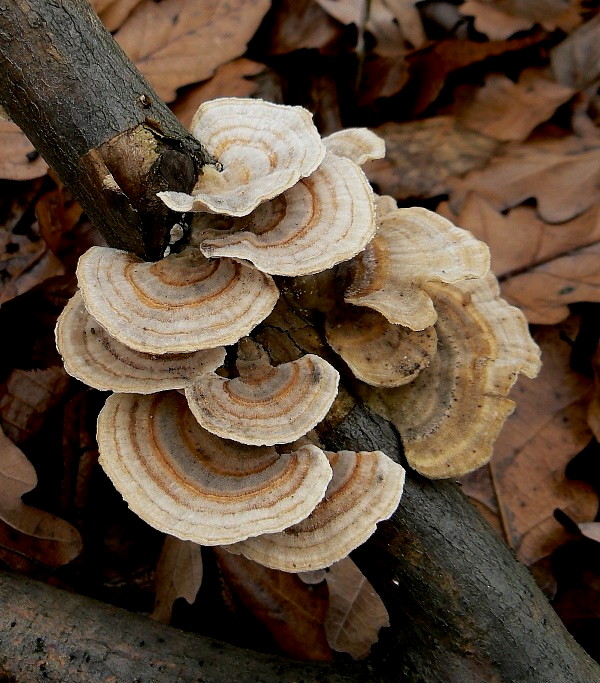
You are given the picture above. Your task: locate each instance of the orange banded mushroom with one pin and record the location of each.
(182, 303)
(94, 357)
(359, 144)
(412, 247)
(265, 405)
(365, 489)
(322, 220)
(193, 485)
(450, 416)
(264, 149)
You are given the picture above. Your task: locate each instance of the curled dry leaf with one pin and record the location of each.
(421, 156)
(41, 536)
(178, 575)
(492, 22)
(177, 42)
(356, 613)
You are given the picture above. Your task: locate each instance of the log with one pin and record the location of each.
(462, 609)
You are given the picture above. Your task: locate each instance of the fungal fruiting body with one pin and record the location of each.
(223, 454)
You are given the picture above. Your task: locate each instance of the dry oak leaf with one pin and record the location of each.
(178, 575)
(230, 80)
(541, 11)
(292, 611)
(563, 175)
(18, 158)
(177, 42)
(113, 12)
(49, 540)
(301, 24)
(509, 111)
(547, 429)
(493, 23)
(356, 613)
(576, 61)
(590, 530)
(421, 156)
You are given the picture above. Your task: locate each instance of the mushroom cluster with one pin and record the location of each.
(224, 453)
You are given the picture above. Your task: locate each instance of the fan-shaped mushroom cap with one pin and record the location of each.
(324, 219)
(265, 405)
(189, 483)
(379, 353)
(181, 303)
(365, 489)
(92, 356)
(264, 149)
(413, 246)
(359, 144)
(451, 414)
(384, 204)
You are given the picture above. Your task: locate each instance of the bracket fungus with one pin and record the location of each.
(430, 344)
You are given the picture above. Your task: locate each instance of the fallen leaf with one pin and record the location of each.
(382, 77)
(41, 536)
(230, 80)
(576, 61)
(178, 575)
(113, 12)
(519, 239)
(421, 156)
(299, 24)
(509, 111)
(493, 23)
(541, 11)
(590, 530)
(478, 485)
(19, 160)
(292, 611)
(356, 613)
(57, 213)
(547, 429)
(178, 42)
(563, 175)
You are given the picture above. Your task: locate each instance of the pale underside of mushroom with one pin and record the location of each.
(94, 357)
(412, 247)
(181, 303)
(359, 144)
(366, 488)
(189, 483)
(322, 220)
(450, 416)
(264, 149)
(265, 405)
(377, 352)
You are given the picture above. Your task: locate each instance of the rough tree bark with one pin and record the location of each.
(462, 609)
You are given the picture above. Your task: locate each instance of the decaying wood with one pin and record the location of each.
(462, 609)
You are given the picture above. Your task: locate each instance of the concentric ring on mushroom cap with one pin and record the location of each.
(189, 483)
(94, 357)
(265, 405)
(377, 352)
(359, 144)
(264, 149)
(412, 247)
(181, 303)
(366, 488)
(324, 219)
(450, 416)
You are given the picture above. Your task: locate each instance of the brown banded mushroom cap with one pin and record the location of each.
(412, 247)
(189, 483)
(359, 144)
(264, 149)
(265, 405)
(450, 416)
(181, 303)
(94, 357)
(377, 352)
(323, 220)
(365, 489)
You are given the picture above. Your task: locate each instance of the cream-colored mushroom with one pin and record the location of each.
(189, 483)
(377, 352)
(450, 416)
(181, 303)
(412, 247)
(365, 489)
(94, 357)
(359, 144)
(384, 204)
(322, 220)
(264, 149)
(265, 405)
